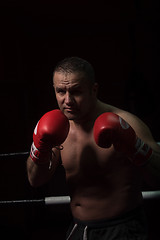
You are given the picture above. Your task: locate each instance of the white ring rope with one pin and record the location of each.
(151, 194)
(13, 154)
(57, 200)
(54, 200)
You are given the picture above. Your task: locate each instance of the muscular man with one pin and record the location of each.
(107, 154)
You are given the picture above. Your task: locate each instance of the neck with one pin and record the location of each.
(86, 122)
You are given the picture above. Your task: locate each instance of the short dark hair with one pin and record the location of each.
(76, 64)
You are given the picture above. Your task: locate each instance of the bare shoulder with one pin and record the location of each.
(136, 123)
(140, 127)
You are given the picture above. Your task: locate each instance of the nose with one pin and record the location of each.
(69, 99)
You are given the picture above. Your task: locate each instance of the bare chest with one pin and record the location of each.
(94, 171)
(82, 155)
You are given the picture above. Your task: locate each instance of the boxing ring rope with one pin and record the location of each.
(54, 200)
(58, 200)
(14, 154)
(46, 201)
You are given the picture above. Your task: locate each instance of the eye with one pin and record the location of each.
(60, 91)
(76, 92)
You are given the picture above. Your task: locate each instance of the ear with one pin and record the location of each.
(95, 89)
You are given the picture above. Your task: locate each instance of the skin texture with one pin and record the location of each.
(102, 183)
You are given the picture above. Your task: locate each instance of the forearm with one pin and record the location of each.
(50, 132)
(39, 174)
(151, 171)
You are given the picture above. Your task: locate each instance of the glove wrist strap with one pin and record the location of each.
(40, 157)
(143, 153)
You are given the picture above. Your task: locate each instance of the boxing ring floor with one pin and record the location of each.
(28, 213)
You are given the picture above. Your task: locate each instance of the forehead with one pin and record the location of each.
(69, 79)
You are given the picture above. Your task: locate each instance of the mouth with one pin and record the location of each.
(69, 110)
(71, 113)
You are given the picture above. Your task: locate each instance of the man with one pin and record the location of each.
(106, 152)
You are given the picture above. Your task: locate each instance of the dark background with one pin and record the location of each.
(119, 38)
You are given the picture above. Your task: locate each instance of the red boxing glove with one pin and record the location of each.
(51, 130)
(109, 128)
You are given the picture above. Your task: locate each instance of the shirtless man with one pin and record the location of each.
(105, 160)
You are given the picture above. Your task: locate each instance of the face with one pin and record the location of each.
(75, 97)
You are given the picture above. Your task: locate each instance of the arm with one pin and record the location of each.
(132, 138)
(150, 171)
(50, 132)
(39, 174)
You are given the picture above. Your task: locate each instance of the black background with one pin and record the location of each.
(119, 38)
